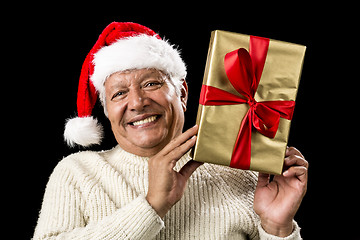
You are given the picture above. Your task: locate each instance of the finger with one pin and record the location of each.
(299, 171)
(181, 139)
(180, 150)
(263, 179)
(295, 160)
(293, 151)
(189, 168)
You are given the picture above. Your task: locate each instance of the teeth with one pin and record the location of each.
(146, 120)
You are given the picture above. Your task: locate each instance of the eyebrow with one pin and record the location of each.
(153, 72)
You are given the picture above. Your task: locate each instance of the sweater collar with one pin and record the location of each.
(118, 156)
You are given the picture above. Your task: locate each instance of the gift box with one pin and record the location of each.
(247, 101)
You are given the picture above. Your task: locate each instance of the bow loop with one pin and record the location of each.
(238, 65)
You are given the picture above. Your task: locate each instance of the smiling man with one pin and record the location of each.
(148, 187)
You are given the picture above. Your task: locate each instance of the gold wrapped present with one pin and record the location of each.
(247, 101)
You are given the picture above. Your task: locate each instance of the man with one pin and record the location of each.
(147, 187)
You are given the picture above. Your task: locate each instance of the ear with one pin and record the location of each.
(184, 94)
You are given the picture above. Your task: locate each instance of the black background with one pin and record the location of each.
(46, 46)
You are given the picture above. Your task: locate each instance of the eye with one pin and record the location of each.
(118, 94)
(153, 85)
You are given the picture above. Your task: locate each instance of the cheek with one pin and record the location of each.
(174, 110)
(167, 102)
(115, 112)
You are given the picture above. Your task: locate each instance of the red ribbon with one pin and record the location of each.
(244, 70)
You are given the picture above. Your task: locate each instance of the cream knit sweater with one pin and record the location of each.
(101, 195)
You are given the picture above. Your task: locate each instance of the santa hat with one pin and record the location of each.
(121, 46)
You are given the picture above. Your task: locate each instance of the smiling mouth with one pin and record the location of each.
(145, 120)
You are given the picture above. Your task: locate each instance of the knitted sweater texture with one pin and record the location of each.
(101, 195)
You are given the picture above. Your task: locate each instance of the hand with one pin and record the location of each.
(277, 202)
(166, 186)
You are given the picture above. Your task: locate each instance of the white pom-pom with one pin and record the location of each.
(83, 131)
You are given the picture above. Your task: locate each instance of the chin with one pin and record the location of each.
(150, 141)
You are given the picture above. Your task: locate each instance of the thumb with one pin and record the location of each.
(189, 168)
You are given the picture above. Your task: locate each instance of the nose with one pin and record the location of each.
(137, 100)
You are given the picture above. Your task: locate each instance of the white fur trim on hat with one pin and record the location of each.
(138, 52)
(84, 131)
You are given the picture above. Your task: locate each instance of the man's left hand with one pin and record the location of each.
(277, 202)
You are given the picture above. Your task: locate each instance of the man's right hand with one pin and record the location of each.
(166, 186)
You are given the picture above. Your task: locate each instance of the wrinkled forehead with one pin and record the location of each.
(134, 76)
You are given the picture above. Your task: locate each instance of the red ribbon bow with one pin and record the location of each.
(244, 70)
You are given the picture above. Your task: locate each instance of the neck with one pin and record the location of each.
(142, 151)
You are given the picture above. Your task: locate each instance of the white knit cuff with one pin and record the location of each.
(295, 235)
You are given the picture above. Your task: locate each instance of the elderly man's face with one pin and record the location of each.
(144, 110)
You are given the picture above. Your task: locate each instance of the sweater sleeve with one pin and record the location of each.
(62, 215)
(295, 235)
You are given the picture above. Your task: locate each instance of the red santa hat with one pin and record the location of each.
(121, 46)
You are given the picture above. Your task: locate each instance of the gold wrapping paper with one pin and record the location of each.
(219, 125)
